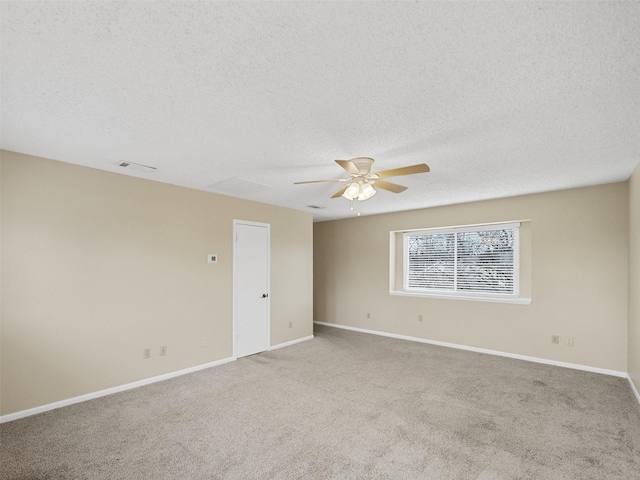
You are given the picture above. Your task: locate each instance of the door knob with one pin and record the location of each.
(265, 295)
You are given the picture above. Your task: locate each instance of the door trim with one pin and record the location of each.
(235, 278)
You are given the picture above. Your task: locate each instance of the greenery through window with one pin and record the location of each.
(466, 261)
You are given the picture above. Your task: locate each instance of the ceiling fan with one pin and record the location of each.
(362, 179)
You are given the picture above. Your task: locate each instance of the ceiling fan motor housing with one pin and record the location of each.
(363, 164)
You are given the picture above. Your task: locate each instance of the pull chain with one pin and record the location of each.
(358, 206)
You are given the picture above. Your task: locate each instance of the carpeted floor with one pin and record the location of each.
(344, 405)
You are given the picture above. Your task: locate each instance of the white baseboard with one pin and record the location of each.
(633, 388)
(292, 342)
(109, 391)
(575, 366)
(121, 388)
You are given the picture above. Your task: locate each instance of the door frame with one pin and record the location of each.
(235, 280)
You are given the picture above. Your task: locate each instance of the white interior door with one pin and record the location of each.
(251, 288)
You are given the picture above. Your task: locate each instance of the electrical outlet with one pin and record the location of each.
(570, 342)
(420, 318)
(163, 350)
(555, 339)
(205, 342)
(290, 324)
(368, 315)
(146, 353)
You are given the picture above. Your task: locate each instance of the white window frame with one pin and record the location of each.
(458, 294)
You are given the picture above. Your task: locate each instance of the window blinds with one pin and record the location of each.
(469, 260)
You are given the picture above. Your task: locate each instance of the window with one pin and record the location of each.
(476, 261)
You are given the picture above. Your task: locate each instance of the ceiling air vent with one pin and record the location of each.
(136, 167)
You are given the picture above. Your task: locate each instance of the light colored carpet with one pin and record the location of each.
(344, 405)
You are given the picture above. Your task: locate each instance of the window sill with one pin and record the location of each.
(513, 301)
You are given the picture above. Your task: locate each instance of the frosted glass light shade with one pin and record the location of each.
(352, 192)
(366, 191)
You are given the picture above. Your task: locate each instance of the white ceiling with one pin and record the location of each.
(499, 98)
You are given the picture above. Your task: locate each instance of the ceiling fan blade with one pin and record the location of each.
(392, 187)
(319, 181)
(395, 172)
(340, 192)
(348, 166)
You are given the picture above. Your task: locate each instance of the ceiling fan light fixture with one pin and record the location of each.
(352, 192)
(359, 190)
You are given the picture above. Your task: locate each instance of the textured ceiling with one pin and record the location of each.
(245, 98)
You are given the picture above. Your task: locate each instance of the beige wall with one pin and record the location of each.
(97, 266)
(578, 269)
(634, 278)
